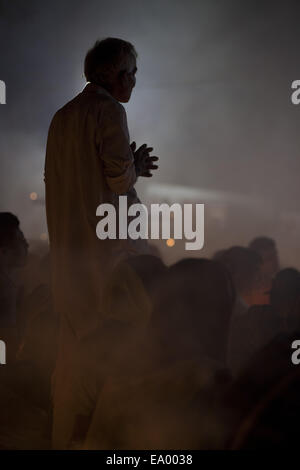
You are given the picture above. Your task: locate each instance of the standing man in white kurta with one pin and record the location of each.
(89, 161)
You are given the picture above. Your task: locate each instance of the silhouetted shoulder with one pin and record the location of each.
(94, 103)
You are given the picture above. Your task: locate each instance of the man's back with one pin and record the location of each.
(88, 162)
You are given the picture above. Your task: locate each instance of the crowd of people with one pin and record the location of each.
(196, 355)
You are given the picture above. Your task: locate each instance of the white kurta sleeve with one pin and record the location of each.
(116, 154)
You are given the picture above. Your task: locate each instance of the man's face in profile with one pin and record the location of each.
(126, 81)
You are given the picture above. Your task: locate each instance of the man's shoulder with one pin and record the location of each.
(90, 101)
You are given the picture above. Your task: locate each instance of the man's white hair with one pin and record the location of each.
(107, 59)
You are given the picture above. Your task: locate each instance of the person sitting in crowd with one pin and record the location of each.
(266, 248)
(22, 424)
(37, 350)
(13, 255)
(263, 401)
(284, 298)
(174, 406)
(245, 267)
(263, 322)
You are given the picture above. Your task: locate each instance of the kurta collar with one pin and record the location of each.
(93, 88)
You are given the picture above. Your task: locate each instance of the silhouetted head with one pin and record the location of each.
(285, 296)
(266, 248)
(130, 289)
(217, 254)
(193, 309)
(149, 268)
(244, 266)
(111, 63)
(13, 245)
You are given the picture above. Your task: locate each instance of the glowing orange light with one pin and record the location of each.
(33, 196)
(170, 242)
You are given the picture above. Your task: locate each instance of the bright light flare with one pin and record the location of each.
(170, 242)
(33, 196)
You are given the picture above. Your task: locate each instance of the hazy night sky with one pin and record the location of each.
(212, 95)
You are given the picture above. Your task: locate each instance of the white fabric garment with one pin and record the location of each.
(88, 162)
